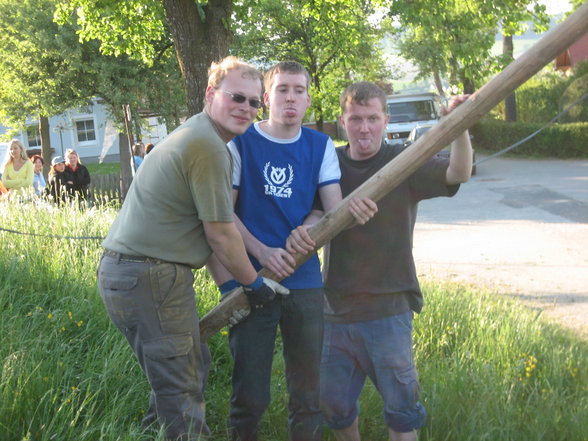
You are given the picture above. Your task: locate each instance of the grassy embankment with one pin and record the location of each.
(489, 368)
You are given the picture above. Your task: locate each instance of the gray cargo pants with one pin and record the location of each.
(153, 305)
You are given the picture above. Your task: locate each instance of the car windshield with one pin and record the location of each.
(411, 111)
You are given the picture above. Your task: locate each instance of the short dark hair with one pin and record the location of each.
(291, 67)
(361, 93)
(35, 157)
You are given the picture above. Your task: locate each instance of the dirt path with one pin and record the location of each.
(520, 228)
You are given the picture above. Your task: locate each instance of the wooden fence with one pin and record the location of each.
(106, 188)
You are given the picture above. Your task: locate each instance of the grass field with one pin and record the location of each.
(489, 368)
(104, 168)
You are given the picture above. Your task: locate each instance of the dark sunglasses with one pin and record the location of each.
(238, 98)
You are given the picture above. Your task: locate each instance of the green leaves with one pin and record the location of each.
(48, 69)
(336, 40)
(454, 37)
(134, 27)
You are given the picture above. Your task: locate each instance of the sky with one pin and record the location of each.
(556, 6)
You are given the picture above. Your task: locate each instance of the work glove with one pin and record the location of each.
(238, 315)
(263, 291)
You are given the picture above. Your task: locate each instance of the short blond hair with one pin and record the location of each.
(219, 70)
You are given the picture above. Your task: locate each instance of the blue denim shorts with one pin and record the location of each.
(381, 350)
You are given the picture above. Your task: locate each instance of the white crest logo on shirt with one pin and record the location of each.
(278, 180)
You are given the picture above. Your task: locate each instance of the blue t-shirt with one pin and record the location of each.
(277, 180)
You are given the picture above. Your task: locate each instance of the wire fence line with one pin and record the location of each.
(53, 236)
(535, 133)
(105, 188)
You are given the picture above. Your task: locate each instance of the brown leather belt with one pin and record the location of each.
(130, 258)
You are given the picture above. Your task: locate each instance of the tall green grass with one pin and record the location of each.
(489, 368)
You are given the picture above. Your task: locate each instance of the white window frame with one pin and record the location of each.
(90, 142)
(38, 136)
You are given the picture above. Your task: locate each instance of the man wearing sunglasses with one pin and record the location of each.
(178, 210)
(279, 168)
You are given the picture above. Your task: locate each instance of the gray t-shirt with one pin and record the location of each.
(370, 271)
(185, 181)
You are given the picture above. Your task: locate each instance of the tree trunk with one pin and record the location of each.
(319, 114)
(45, 144)
(468, 85)
(510, 103)
(200, 37)
(396, 171)
(438, 83)
(320, 122)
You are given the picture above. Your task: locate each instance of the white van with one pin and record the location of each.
(408, 111)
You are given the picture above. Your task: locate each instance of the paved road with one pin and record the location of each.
(519, 227)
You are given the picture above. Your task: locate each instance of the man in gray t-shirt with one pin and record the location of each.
(370, 282)
(179, 210)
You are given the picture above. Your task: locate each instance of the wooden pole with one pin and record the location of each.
(391, 175)
(125, 146)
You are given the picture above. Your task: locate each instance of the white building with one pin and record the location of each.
(86, 130)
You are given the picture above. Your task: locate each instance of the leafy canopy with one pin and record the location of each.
(338, 41)
(454, 38)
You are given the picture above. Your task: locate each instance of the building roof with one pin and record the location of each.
(573, 55)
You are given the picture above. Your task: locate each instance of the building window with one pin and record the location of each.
(85, 130)
(33, 136)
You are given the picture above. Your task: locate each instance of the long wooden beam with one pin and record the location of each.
(544, 51)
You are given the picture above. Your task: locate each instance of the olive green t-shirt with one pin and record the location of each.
(184, 181)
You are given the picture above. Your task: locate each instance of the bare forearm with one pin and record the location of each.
(460, 160)
(313, 217)
(228, 247)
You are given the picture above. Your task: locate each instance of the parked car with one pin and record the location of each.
(420, 130)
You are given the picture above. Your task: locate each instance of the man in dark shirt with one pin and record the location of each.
(371, 284)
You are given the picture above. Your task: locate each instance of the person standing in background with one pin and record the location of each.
(138, 154)
(19, 172)
(148, 147)
(77, 176)
(38, 180)
(56, 188)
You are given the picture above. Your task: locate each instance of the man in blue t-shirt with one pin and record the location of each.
(279, 167)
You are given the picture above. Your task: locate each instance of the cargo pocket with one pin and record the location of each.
(170, 363)
(174, 298)
(118, 282)
(115, 291)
